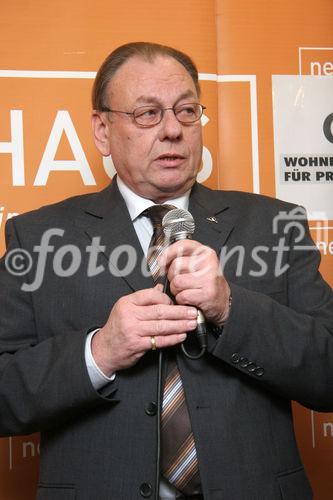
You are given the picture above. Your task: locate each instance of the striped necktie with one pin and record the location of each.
(158, 241)
(179, 463)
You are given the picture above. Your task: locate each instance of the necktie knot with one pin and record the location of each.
(158, 241)
(156, 214)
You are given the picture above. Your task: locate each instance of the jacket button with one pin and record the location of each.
(251, 367)
(259, 371)
(151, 409)
(244, 362)
(146, 490)
(235, 357)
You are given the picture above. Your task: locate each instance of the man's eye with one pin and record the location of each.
(187, 110)
(147, 113)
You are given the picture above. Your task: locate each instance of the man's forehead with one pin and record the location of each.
(145, 79)
(151, 99)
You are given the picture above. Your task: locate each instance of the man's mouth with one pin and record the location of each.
(170, 157)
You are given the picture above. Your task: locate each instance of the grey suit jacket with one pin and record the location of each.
(276, 347)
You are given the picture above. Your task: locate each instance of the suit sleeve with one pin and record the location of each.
(285, 342)
(42, 383)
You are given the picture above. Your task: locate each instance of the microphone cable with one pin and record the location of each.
(158, 424)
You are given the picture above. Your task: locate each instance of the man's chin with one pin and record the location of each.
(174, 184)
(174, 189)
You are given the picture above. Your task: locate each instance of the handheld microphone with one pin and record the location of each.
(178, 224)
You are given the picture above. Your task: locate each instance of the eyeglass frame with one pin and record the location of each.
(162, 111)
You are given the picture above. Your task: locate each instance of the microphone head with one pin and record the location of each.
(178, 224)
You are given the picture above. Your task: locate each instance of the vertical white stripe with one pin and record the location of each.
(252, 79)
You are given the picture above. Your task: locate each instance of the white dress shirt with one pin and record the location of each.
(144, 230)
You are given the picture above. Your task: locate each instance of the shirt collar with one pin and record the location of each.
(136, 204)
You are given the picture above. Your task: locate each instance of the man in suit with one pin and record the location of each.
(79, 352)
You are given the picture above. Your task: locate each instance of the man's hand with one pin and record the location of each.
(195, 278)
(133, 320)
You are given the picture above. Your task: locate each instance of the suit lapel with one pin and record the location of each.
(214, 217)
(105, 216)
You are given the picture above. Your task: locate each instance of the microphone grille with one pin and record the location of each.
(177, 222)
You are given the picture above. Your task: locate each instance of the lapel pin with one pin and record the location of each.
(212, 219)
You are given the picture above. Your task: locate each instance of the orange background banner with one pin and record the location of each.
(48, 56)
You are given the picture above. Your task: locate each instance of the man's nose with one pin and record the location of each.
(170, 127)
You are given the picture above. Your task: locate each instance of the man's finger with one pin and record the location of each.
(180, 248)
(159, 342)
(150, 296)
(165, 327)
(188, 281)
(163, 311)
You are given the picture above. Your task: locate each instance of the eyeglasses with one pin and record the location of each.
(148, 116)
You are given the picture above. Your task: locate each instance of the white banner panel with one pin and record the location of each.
(303, 141)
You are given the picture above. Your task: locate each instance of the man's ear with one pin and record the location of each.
(100, 126)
